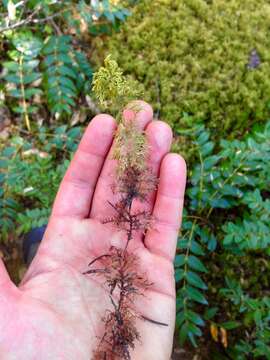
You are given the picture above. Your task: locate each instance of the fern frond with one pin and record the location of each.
(59, 76)
(191, 286)
(67, 73)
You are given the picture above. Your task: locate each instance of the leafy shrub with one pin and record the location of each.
(256, 315)
(209, 59)
(227, 222)
(46, 70)
(30, 173)
(63, 74)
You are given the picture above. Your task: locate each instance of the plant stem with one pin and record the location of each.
(224, 183)
(25, 112)
(186, 258)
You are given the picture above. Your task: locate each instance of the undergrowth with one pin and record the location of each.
(225, 224)
(31, 169)
(45, 52)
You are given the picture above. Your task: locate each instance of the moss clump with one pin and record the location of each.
(209, 58)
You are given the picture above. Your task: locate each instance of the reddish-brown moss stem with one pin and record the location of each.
(121, 269)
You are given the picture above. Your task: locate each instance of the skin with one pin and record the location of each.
(56, 312)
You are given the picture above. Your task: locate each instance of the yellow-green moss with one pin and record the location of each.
(192, 56)
(115, 91)
(112, 89)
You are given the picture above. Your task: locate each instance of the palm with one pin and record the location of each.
(56, 312)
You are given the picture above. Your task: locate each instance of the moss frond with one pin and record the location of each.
(130, 148)
(112, 88)
(133, 180)
(115, 91)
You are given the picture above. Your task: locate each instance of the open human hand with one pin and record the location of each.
(56, 311)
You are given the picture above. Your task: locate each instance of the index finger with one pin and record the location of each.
(77, 188)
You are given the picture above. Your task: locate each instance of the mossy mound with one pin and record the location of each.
(210, 59)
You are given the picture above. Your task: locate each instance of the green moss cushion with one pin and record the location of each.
(210, 59)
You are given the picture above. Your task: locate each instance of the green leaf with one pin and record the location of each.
(210, 162)
(64, 70)
(202, 139)
(258, 316)
(229, 325)
(212, 243)
(210, 313)
(109, 16)
(27, 44)
(179, 275)
(195, 318)
(192, 339)
(13, 79)
(3, 164)
(11, 66)
(69, 100)
(18, 109)
(196, 295)
(120, 15)
(31, 92)
(65, 58)
(196, 264)
(220, 203)
(179, 260)
(207, 148)
(183, 334)
(180, 318)
(196, 248)
(74, 133)
(61, 108)
(57, 44)
(30, 65)
(28, 79)
(194, 329)
(68, 84)
(8, 151)
(194, 280)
